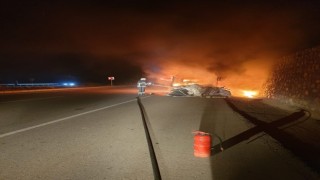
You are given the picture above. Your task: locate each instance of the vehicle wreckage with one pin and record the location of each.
(201, 91)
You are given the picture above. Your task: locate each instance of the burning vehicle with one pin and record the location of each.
(200, 91)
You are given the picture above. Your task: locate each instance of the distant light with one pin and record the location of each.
(69, 84)
(250, 94)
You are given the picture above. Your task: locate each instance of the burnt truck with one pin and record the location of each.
(200, 91)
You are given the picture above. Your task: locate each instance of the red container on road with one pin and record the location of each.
(202, 144)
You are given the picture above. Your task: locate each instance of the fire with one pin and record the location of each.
(248, 83)
(250, 94)
(176, 84)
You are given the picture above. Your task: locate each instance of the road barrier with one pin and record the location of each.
(154, 161)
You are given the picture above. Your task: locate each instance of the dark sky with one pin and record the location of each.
(88, 41)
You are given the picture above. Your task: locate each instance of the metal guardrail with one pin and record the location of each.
(31, 84)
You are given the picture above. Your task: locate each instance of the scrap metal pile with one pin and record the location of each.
(201, 91)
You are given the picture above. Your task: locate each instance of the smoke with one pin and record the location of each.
(237, 41)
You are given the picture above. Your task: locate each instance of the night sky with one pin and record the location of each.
(87, 42)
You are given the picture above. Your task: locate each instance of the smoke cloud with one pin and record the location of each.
(237, 41)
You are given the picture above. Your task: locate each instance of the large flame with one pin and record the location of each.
(250, 94)
(253, 78)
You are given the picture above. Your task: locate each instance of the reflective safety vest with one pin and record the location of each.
(141, 83)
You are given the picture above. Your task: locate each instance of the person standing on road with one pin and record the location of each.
(141, 85)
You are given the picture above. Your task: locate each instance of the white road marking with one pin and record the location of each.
(63, 119)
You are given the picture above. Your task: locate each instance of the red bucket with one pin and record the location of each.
(202, 144)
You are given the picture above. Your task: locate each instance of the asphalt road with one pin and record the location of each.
(97, 133)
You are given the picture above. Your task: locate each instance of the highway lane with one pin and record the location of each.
(106, 143)
(97, 133)
(28, 109)
(258, 157)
